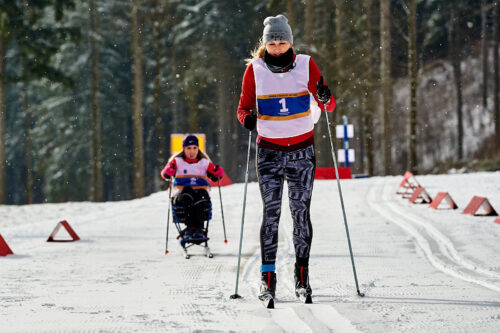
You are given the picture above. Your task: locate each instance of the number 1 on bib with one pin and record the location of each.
(283, 106)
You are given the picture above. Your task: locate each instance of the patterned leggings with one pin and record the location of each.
(298, 167)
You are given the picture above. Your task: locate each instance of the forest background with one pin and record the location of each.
(91, 90)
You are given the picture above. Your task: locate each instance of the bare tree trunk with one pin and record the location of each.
(95, 105)
(386, 84)
(157, 25)
(322, 147)
(309, 24)
(412, 74)
(177, 119)
(137, 108)
(360, 116)
(339, 53)
(27, 142)
(455, 60)
(223, 143)
(370, 83)
(3, 111)
(192, 116)
(484, 52)
(496, 96)
(290, 12)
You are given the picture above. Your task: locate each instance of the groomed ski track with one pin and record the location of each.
(421, 270)
(438, 249)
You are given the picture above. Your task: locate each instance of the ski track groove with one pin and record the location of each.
(341, 323)
(297, 317)
(446, 246)
(455, 265)
(317, 316)
(284, 318)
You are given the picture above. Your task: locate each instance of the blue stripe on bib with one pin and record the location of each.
(193, 181)
(283, 105)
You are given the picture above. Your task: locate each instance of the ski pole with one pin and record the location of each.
(342, 202)
(168, 217)
(222, 212)
(242, 219)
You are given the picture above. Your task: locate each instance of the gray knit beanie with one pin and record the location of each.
(277, 28)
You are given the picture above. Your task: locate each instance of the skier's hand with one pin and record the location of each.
(250, 122)
(218, 172)
(323, 91)
(171, 170)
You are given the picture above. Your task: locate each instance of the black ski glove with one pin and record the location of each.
(250, 122)
(212, 177)
(323, 91)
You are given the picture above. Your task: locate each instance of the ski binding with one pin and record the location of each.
(304, 296)
(267, 301)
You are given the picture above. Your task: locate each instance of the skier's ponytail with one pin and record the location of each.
(257, 52)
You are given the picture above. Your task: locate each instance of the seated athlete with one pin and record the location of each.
(190, 169)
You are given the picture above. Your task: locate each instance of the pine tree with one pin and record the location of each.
(137, 100)
(370, 84)
(412, 75)
(496, 72)
(386, 83)
(35, 39)
(95, 104)
(4, 39)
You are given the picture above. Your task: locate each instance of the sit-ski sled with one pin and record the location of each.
(187, 237)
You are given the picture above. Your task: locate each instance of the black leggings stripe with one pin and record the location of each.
(297, 167)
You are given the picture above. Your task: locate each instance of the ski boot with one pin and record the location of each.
(302, 287)
(268, 289)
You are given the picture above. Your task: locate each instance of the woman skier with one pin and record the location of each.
(278, 84)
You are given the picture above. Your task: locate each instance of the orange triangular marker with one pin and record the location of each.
(408, 184)
(440, 197)
(420, 193)
(497, 220)
(4, 248)
(68, 228)
(480, 202)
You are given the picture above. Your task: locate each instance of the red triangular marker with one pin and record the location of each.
(420, 193)
(68, 228)
(440, 197)
(480, 202)
(408, 184)
(4, 248)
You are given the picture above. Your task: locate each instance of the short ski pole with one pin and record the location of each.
(342, 202)
(168, 218)
(242, 218)
(222, 212)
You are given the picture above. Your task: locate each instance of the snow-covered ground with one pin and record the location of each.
(422, 270)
